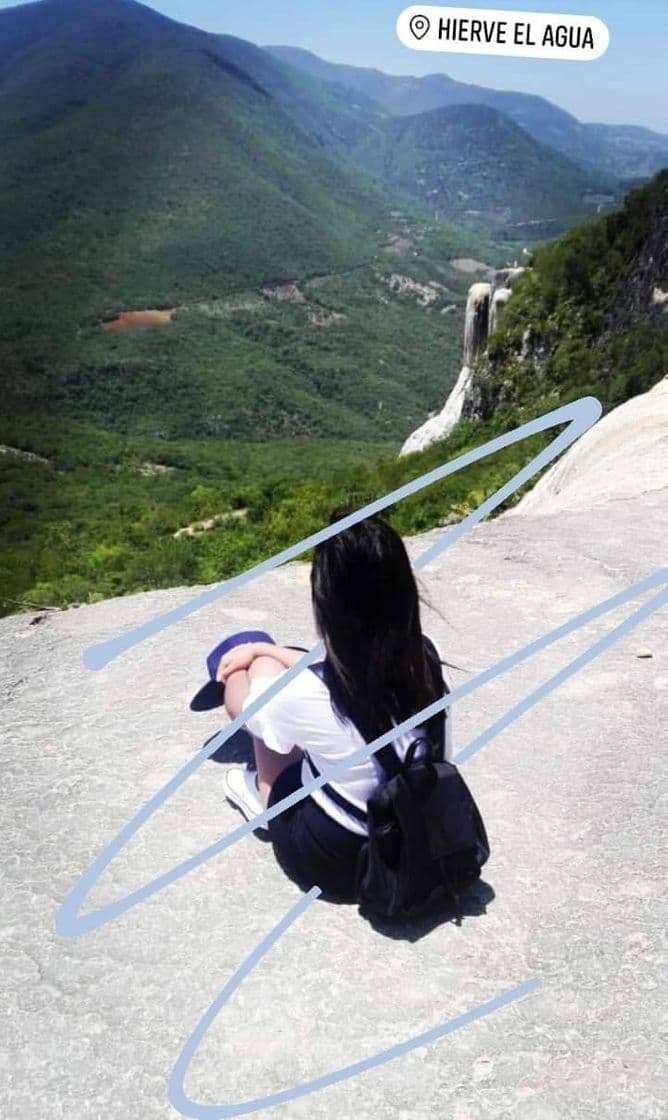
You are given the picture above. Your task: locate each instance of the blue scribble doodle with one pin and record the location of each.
(580, 416)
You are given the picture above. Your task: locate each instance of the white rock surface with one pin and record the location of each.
(623, 456)
(476, 328)
(499, 300)
(439, 426)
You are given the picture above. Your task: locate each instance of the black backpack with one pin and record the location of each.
(425, 830)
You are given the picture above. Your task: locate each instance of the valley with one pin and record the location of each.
(236, 279)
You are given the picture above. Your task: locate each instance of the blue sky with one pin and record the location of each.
(628, 85)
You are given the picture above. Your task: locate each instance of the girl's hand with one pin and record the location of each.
(241, 657)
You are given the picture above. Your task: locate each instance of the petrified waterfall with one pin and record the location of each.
(476, 332)
(483, 307)
(500, 297)
(502, 289)
(476, 323)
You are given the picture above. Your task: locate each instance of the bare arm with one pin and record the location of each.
(287, 657)
(242, 657)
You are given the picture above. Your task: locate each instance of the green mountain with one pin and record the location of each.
(621, 152)
(477, 167)
(95, 520)
(143, 165)
(147, 165)
(151, 167)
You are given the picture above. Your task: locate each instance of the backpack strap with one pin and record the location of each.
(335, 796)
(387, 756)
(434, 655)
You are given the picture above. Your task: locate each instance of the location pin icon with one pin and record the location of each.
(419, 25)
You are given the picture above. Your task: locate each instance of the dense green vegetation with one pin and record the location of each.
(142, 167)
(81, 533)
(588, 305)
(150, 165)
(100, 517)
(338, 353)
(155, 428)
(479, 168)
(147, 165)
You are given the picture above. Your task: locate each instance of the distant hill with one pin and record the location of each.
(282, 312)
(622, 152)
(105, 511)
(151, 166)
(476, 166)
(147, 165)
(143, 162)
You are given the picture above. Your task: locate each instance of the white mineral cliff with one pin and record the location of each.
(483, 307)
(499, 300)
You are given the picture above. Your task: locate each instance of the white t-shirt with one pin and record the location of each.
(302, 715)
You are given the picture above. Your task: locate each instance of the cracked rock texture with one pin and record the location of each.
(574, 892)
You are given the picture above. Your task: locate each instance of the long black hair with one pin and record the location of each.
(367, 611)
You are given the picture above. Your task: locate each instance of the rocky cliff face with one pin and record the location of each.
(592, 317)
(643, 298)
(589, 316)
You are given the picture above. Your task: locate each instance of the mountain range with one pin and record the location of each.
(139, 154)
(622, 152)
(149, 163)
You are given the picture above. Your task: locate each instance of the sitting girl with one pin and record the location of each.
(378, 670)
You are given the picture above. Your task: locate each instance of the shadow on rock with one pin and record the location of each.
(435, 912)
(238, 748)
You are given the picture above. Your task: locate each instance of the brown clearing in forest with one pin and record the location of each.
(126, 320)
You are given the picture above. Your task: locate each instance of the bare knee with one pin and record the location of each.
(237, 685)
(236, 691)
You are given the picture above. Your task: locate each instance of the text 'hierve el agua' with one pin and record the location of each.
(520, 34)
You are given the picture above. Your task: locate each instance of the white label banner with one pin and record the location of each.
(490, 31)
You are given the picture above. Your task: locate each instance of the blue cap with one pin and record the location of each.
(212, 694)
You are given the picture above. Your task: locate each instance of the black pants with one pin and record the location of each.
(313, 849)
